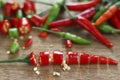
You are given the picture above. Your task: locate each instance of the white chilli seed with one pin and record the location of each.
(21, 37)
(37, 72)
(56, 73)
(30, 37)
(8, 52)
(35, 68)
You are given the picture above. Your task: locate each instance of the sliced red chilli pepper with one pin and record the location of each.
(24, 26)
(4, 26)
(68, 43)
(8, 9)
(102, 60)
(43, 34)
(57, 57)
(72, 57)
(94, 59)
(86, 24)
(56, 29)
(14, 21)
(33, 60)
(37, 20)
(84, 58)
(111, 61)
(29, 7)
(44, 58)
(82, 5)
(115, 21)
(88, 13)
(28, 42)
(15, 7)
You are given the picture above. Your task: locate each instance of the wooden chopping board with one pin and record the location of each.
(21, 71)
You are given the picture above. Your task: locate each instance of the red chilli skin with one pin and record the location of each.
(115, 21)
(37, 21)
(28, 42)
(102, 60)
(112, 61)
(29, 7)
(43, 34)
(5, 25)
(86, 24)
(82, 5)
(68, 43)
(88, 13)
(14, 22)
(84, 58)
(33, 60)
(8, 9)
(44, 58)
(94, 59)
(72, 57)
(57, 57)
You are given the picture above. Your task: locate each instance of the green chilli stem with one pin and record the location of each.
(25, 60)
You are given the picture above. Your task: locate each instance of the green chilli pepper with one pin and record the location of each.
(1, 17)
(53, 13)
(74, 38)
(14, 47)
(13, 33)
(2, 3)
(100, 12)
(19, 14)
(105, 28)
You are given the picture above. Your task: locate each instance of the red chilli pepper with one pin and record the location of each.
(84, 58)
(82, 5)
(4, 26)
(24, 26)
(57, 57)
(30, 59)
(43, 34)
(88, 13)
(115, 21)
(68, 44)
(86, 24)
(15, 7)
(8, 9)
(44, 58)
(72, 57)
(33, 60)
(37, 20)
(29, 7)
(28, 42)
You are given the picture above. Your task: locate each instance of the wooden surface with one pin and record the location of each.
(23, 71)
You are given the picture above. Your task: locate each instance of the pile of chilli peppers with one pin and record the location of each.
(95, 16)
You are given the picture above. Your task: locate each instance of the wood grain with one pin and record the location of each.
(22, 71)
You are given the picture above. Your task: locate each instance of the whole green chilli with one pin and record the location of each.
(54, 12)
(74, 38)
(107, 29)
